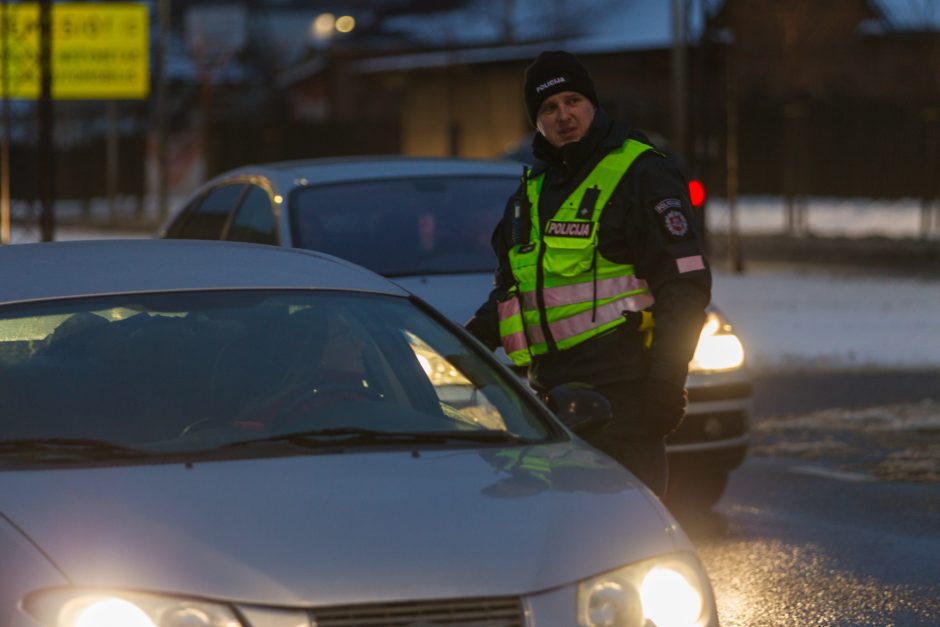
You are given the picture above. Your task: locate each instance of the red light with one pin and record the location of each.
(696, 193)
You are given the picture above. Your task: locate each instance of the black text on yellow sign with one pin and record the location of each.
(99, 51)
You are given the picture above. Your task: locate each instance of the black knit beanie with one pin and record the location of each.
(553, 72)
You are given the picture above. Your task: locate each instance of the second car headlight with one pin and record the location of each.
(670, 591)
(718, 347)
(78, 608)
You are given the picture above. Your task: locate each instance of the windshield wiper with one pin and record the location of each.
(357, 436)
(69, 448)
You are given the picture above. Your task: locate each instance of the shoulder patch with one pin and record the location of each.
(677, 225)
(667, 203)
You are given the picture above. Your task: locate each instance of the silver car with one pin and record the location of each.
(204, 434)
(426, 224)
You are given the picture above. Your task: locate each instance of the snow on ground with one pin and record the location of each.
(894, 442)
(847, 217)
(818, 318)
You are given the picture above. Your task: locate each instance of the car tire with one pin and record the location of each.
(695, 488)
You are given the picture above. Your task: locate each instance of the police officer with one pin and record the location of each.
(602, 280)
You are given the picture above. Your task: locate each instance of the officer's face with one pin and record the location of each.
(565, 117)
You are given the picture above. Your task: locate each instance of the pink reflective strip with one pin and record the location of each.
(514, 342)
(690, 264)
(587, 320)
(508, 308)
(582, 292)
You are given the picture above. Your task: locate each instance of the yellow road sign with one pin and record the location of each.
(99, 50)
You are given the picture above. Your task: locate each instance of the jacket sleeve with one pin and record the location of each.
(671, 258)
(484, 325)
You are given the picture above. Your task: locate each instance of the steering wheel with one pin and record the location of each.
(203, 424)
(323, 396)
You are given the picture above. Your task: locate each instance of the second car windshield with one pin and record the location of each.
(183, 372)
(404, 226)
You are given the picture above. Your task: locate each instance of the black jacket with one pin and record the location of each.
(639, 226)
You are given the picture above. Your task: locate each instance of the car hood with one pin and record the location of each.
(344, 527)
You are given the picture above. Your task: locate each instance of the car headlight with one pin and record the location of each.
(81, 608)
(718, 347)
(669, 591)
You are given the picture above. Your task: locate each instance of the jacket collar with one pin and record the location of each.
(604, 135)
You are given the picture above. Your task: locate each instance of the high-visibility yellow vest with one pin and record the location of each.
(566, 292)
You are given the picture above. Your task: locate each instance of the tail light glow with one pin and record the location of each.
(696, 193)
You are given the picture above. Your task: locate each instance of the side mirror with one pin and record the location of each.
(580, 409)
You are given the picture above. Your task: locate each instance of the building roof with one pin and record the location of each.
(588, 25)
(908, 15)
(485, 32)
(474, 35)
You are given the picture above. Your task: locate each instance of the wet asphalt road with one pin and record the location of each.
(820, 538)
(789, 547)
(779, 394)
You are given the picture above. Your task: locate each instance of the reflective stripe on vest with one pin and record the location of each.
(585, 292)
(587, 320)
(512, 330)
(563, 285)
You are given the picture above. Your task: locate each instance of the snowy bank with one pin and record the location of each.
(825, 319)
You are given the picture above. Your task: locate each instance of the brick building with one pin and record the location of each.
(834, 98)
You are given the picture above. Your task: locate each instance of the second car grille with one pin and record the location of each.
(466, 612)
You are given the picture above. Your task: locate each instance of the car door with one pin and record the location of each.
(254, 220)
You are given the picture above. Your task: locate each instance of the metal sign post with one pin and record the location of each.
(5, 148)
(46, 164)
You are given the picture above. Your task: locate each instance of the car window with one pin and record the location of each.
(179, 222)
(254, 220)
(193, 373)
(208, 218)
(404, 226)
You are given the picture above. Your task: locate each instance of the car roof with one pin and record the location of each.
(56, 270)
(339, 169)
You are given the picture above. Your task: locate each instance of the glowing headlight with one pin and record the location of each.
(718, 347)
(75, 608)
(672, 591)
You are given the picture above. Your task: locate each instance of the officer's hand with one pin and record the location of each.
(664, 406)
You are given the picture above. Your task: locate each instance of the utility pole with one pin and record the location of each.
(112, 159)
(163, 18)
(507, 25)
(735, 257)
(679, 80)
(45, 149)
(5, 156)
(699, 101)
(930, 117)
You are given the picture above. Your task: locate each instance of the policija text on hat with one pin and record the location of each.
(602, 280)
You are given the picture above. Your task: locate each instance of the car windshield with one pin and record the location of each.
(405, 226)
(145, 376)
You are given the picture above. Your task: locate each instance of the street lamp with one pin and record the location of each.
(345, 24)
(325, 26)
(322, 27)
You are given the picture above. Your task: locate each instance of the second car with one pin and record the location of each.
(426, 223)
